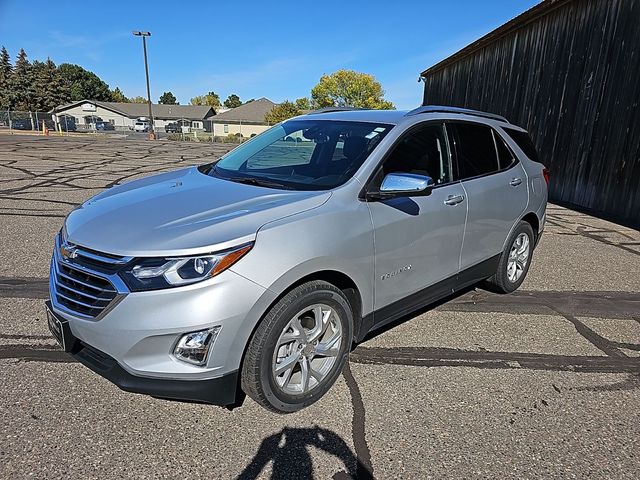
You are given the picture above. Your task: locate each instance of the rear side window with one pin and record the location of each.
(475, 150)
(523, 140)
(505, 156)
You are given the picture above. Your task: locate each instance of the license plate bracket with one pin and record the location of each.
(60, 330)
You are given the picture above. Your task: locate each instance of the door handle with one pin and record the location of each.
(454, 199)
(515, 182)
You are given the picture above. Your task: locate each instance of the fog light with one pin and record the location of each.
(194, 347)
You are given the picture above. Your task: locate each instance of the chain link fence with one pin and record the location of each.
(175, 129)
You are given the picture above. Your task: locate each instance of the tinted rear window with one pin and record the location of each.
(505, 157)
(475, 150)
(524, 142)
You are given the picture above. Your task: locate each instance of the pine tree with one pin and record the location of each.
(6, 70)
(232, 101)
(22, 92)
(118, 96)
(61, 91)
(49, 87)
(168, 98)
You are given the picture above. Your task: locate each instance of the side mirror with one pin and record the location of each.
(403, 185)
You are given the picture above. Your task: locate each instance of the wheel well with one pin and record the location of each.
(341, 281)
(532, 219)
(344, 283)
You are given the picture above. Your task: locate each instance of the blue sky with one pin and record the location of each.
(276, 50)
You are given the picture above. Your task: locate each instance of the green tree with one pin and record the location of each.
(346, 88)
(118, 96)
(303, 103)
(232, 101)
(50, 90)
(84, 84)
(21, 89)
(138, 99)
(211, 99)
(168, 98)
(281, 112)
(6, 69)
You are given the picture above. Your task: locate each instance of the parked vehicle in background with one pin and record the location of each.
(22, 124)
(259, 271)
(172, 127)
(179, 126)
(141, 126)
(67, 123)
(103, 126)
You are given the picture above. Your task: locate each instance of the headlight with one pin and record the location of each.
(157, 273)
(63, 232)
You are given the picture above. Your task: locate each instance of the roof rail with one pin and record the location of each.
(459, 110)
(333, 109)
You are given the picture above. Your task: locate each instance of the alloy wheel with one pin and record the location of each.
(307, 349)
(518, 257)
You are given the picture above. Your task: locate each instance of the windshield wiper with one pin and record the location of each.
(259, 182)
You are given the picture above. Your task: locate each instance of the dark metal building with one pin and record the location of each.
(569, 72)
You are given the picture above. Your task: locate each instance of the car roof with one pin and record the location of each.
(397, 116)
(357, 115)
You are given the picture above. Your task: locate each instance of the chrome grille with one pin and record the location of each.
(83, 285)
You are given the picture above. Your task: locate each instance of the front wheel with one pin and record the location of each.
(298, 350)
(514, 261)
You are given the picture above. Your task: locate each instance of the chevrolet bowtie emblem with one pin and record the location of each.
(68, 251)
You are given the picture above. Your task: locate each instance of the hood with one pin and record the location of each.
(181, 213)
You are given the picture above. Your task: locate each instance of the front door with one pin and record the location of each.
(417, 239)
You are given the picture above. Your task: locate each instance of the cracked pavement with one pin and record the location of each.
(541, 383)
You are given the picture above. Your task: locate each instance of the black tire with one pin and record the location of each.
(256, 377)
(499, 282)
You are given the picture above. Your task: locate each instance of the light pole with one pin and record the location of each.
(144, 35)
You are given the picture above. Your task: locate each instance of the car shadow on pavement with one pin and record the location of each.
(288, 450)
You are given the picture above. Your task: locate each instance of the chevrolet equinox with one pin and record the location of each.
(256, 274)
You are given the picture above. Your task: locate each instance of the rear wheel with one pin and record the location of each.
(514, 261)
(299, 348)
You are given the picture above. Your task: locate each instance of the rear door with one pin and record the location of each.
(417, 239)
(496, 188)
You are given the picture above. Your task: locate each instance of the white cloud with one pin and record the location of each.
(88, 46)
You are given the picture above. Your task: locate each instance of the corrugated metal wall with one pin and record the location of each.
(572, 78)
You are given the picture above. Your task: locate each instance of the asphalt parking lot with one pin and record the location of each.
(543, 383)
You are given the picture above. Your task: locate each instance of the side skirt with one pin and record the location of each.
(429, 295)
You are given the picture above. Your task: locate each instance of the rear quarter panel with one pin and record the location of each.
(537, 186)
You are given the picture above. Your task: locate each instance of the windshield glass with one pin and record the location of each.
(302, 154)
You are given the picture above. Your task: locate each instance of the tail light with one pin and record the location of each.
(546, 175)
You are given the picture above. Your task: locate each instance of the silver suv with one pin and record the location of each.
(257, 273)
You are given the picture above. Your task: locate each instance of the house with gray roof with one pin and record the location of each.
(124, 115)
(246, 120)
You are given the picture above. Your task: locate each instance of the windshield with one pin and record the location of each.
(302, 154)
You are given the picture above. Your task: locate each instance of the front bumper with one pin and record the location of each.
(221, 391)
(131, 342)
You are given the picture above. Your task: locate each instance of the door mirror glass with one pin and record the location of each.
(405, 185)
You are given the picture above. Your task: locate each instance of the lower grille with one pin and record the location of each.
(99, 360)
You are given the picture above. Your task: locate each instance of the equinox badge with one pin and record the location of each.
(395, 272)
